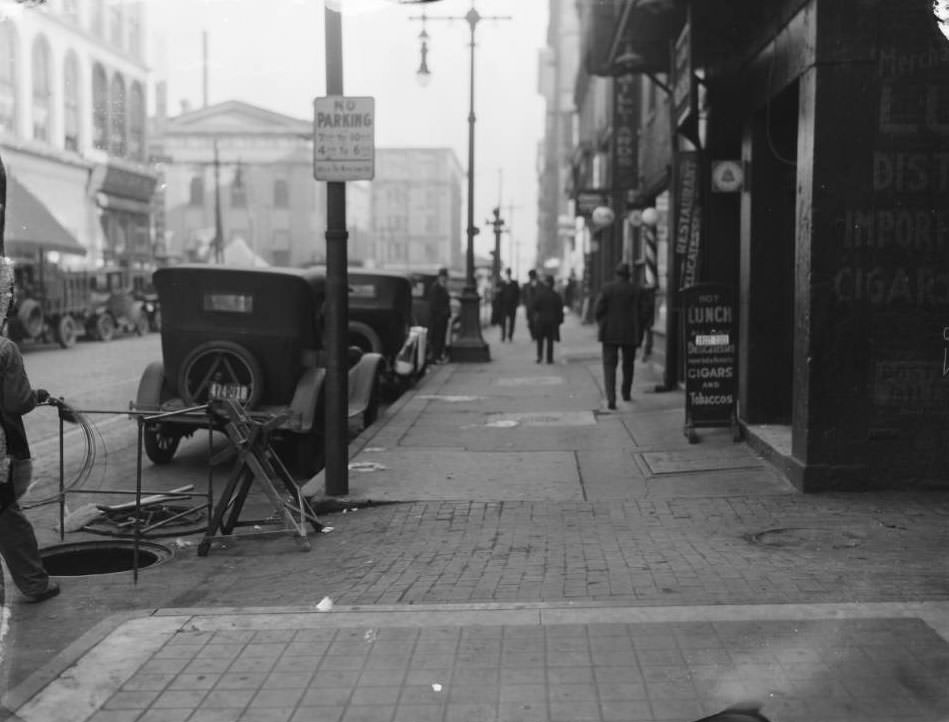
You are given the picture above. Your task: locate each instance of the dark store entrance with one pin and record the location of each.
(771, 261)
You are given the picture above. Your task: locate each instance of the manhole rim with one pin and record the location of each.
(161, 553)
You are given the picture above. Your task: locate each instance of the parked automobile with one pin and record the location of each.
(253, 335)
(382, 320)
(114, 306)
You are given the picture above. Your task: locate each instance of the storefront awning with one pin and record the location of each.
(31, 227)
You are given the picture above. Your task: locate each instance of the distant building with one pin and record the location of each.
(557, 70)
(72, 130)
(415, 202)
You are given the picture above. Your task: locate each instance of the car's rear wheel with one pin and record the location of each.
(160, 443)
(104, 327)
(221, 369)
(365, 337)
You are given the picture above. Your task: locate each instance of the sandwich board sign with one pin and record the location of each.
(343, 138)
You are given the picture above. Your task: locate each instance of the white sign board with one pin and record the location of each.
(343, 138)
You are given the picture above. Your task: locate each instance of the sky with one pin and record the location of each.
(271, 53)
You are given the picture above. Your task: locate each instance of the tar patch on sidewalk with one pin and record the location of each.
(542, 418)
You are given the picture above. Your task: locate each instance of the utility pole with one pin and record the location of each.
(218, 224)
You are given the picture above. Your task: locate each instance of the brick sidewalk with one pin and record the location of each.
(514, 486)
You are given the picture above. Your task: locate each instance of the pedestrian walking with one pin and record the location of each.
(510, 297)
(547, 310)
(18, 545)
(617, 314)
(528, 293)
(439, 314)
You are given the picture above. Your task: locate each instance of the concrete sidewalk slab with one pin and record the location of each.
(501, 663)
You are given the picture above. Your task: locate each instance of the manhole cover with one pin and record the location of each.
(808, 538)
(82, 559)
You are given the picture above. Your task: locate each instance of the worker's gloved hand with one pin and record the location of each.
(42, 396)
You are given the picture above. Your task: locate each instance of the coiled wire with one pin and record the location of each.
(91, 439)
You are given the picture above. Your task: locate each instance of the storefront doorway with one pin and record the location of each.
(768, 263)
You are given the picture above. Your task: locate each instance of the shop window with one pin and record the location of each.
(281, 194)
(196, 191)
(41, 88)
(8, 48)
(71, 102)
(136, 117)
(100, 108)
(118, 144)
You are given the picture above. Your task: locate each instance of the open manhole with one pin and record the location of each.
(106, 557)
(807, 538)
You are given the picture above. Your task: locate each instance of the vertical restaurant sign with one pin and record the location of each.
(343, 138)
(625, 164)
(711, 354)
(686, 214)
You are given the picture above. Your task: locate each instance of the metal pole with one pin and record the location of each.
(470, 346)
(337, 292)
(62, 479)
(3, 205)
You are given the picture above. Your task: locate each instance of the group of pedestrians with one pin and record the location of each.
(544, 307)
(622, 312)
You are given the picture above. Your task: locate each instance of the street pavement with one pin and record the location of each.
(509, 549)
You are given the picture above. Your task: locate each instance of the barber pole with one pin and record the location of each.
(650, 270)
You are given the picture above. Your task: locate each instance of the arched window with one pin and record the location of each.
(8, 48)
(41, 88)
(281, 193)
(71, 102)
(100, 108)
(196, 191)
(118, 117)
(136, 110)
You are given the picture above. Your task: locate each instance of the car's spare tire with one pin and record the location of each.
(220, 369)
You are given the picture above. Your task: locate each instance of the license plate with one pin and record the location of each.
(229, 392)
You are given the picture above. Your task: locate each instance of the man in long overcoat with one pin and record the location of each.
(617, 314)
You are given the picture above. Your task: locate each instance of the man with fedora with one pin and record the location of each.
(617, 314)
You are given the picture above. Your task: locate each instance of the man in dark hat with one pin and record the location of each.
(439, 314)
(617, 314)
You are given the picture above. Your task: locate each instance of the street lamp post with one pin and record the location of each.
(469, 345)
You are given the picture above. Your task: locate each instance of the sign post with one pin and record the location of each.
(711, 359)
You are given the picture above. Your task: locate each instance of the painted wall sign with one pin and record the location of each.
(343, 138)
(625, 140)
(711, 357)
